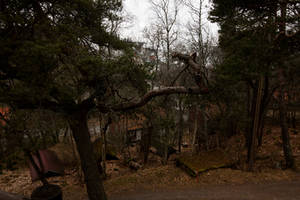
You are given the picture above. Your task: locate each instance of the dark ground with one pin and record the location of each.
(276, 191)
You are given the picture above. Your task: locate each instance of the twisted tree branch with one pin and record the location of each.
(154, 93)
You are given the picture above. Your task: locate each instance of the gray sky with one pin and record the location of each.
(141, 11)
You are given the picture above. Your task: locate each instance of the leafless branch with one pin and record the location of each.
(154, 93)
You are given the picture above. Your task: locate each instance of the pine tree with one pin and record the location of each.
(59, 55)
(256, 42)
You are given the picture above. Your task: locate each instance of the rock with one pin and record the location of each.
(134, 165)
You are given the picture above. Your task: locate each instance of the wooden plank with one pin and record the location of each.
(194, 165)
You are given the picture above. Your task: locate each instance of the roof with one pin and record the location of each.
(3, 110)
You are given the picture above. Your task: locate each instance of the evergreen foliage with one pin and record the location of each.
(60, 56)
(258, 39)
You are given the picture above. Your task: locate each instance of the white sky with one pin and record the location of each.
(141, 10)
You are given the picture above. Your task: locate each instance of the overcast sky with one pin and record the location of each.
(140, 9)
(142, 13)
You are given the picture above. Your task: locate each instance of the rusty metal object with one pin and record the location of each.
(48, 164)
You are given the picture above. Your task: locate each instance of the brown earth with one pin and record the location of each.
(267, 178)
(271, 191)
(159, 180)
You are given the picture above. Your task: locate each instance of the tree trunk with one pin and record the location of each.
(204, 130)
(78, 125)
(263, 108)
(66, 134)
(75, 156)
(294, 120)
(104, 150)
(255, 129)
(251, 114)
(288, 155)
(180, 130)
(261, 131)
(104, 142)
(146, 143)
(195, 131)
(250, 123)
(166, 144)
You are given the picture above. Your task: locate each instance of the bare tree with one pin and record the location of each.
(200, 38)
(153, 35)
(200, 41)
(162, 36)
(166, 13)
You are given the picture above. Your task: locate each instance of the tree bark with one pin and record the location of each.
(287, 150)
(255, 129)
(294, 120)
(195, 130)
(249, 116)
(263, 108)
(146, 143)
(204, 129)
(104, 142)
(166, 145)
(150, 95)
(180, 130)
(261, 130)
(78, 125)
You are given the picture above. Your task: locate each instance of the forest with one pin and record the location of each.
(178, 110)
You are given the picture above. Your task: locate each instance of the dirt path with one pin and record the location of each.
(275, 191)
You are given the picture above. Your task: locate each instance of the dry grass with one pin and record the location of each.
(267, 169)
(19, 181)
